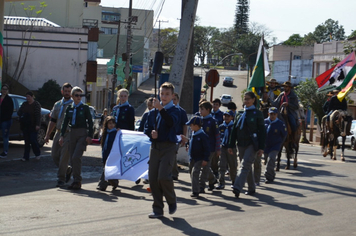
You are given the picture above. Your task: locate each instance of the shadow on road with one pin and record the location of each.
(182, 225)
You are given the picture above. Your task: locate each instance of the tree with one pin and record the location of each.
(310, 98)
(241, 17)
(309, 39)
(49, 94)
(203, 37)
(352, 35)
(329, 30)
(294, 40)
(31, 11)
(169, 38)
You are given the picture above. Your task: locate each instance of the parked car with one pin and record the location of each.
(350, 139)
(16, 132)
(228, 81)
(96, 122)
(225, 99)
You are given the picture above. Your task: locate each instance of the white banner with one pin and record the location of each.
(129, 156)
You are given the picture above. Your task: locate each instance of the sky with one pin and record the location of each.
(282, 17)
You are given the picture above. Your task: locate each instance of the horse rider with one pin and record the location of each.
(326, 104)
(335, 104)
(272, 90)
(289, 100)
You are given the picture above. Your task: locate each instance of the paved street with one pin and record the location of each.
(316, 199)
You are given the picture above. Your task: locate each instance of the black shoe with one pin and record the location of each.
(236, 192)
(221, 186)
(211, 187)
(60, 184)
(138, 181)
(268, 181)
(172, 208)
(145, 181)
(250, 192)
(114, 183)
(194, 195)
(75, 186)
(154, 215)
(3, 155)
(69, 173)
(101, 188)
(175, 177)
(202, 190)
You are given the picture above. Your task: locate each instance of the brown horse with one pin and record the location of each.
(291, 143)
(340, 124)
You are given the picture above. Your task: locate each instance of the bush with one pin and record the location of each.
(49, 94)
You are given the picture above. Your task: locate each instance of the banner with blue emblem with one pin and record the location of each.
(129, 156)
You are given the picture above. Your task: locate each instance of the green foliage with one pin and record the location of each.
(169, 38)
(352, 35)
(203, 37)
(329, 30)
(49, 94)
(294, 40)
(310, 98)
(349, 47)
(309, 39)
(241, 17)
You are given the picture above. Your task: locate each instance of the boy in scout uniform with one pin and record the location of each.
(60, 154)
(80, 122)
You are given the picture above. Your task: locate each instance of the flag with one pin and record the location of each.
(261, 69)
(1, 51)
(129, 156)
(334, 77)
(342, 94)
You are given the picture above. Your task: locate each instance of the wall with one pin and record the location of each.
(282, 52)
(301, 69)
(66, 13)
(54, 53)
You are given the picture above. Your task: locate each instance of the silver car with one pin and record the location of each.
(225, 99)
(350, 139)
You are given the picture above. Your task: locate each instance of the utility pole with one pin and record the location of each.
(114, 76)
(159, 33)
(128, 49)
(290, 67)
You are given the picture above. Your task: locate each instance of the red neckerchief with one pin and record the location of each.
(285, 98)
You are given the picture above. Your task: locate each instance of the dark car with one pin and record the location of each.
(228, 81)
(16, 132)
(96, 122)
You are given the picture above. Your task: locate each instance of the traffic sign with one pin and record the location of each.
(212, 77)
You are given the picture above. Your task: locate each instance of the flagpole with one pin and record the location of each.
(263, 65)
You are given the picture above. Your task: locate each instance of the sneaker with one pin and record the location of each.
(75, 186)
(60, 184)
(3, 155)
(138, 181)
(69, 173)
(194, 195)
(154, 215)
(38, 158)
(250, 192)
(221, 186)
(172, 208)
(101, 188)
(114, 183)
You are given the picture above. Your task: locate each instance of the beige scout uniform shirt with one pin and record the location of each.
(55, 112)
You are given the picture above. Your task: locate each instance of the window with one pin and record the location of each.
(107, 30)
(110, 16)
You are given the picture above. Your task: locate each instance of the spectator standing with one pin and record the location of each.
(30, 119)
(80, 122)
(124, 113)
(249, 134)
(161, 130)
(181, 129)
(149, 104)
(103, 116)
(60, 154)
(276, 132)
(6, 110)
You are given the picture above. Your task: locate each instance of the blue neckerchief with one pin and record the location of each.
(118, 110)
(191, 140)
(214, 112)
(207, 117)
(166, 107)
(63, 103)
(226, 132)
(270, 123)
(242, 118)
(178, 105)
(107, 138)
(75, 111)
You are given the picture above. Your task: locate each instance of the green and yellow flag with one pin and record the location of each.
(261, 69)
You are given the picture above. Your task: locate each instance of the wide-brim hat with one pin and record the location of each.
(330, 94)
(336, 91)
(287, 84)
(272, 81)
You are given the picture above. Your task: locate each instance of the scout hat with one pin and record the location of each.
(273, 110)
(272, 81)
(287, 84)
(195, 120)
(229, 112)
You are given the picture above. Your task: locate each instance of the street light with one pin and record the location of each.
(238, 53)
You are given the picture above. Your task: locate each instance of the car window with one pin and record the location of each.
(19, 101)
